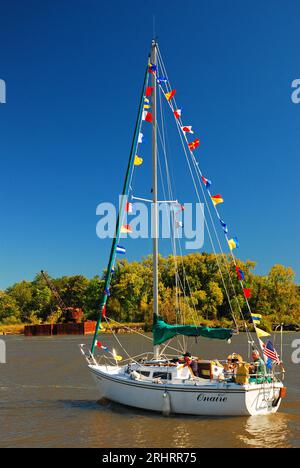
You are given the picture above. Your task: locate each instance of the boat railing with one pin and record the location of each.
(88, 356)
(259, 378)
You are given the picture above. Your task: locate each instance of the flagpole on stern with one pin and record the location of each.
(156, 349)
(116, 238)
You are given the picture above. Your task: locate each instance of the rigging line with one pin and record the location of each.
(197, 168)
(224, 259)
(173, 245)
(185, 279)
(115, 337)
(130, 329)
(177, 276)
(231, 252)
(226, 262)
(162, 136)
(205, 221)
(166, 164)
(137, 333)
(192, 155)
(174, 252)
(246, 299)
(162, 139)
(217, 259)
(171, 177)
(247, 302)
(245, 324)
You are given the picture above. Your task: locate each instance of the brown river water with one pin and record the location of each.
(48, 399)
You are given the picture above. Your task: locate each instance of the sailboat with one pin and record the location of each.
(169, 383)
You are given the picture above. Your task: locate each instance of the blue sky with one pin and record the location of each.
(74, 71)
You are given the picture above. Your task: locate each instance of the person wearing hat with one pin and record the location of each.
(188, 361)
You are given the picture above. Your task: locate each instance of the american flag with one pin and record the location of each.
(270, 352)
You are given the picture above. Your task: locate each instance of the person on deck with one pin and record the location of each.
(188, 361)
(258, 366)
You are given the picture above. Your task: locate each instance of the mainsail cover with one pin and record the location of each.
(162, 331)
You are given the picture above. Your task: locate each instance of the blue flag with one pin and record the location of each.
(120, 250)
(224, 226)
(161, 79)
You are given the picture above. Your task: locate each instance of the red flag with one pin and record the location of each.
(125, 229)
(247, 292)
(103, 312)
(170, 94)
(149, 90)
(99, 344)
(177, 113)
(194, 144)
(129, 207)
(187, 129)
(147, 116)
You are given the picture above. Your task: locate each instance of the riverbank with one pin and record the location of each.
(127, 327)
(17, 329)
(131, 327)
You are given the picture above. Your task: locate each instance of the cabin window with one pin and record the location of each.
(144, 373)
(162, 375)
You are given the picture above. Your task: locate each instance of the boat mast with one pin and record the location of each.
(154, 190)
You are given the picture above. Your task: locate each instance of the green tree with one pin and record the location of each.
(21, 293)
(9, 309)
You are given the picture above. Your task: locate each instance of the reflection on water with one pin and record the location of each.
(181, 436)
(266, 431)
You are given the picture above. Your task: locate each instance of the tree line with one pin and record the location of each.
(203, 277)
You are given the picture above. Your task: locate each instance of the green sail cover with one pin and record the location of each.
(163, 331)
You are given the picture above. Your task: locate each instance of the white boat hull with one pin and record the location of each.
(200, 398)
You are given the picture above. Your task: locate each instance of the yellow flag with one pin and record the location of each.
(170, 94)
(138, 161)
(232, 244)
(261, 333)
(147, 103)
(216, 199)
(116, 356)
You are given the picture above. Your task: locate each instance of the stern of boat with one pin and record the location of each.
(264, 398)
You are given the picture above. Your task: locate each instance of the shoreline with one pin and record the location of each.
(125, 328)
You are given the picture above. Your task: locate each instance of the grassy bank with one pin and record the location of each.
(12, 329)
(128, 327)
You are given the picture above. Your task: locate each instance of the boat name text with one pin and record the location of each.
(220, 398)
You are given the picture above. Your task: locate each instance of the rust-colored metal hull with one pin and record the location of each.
(83, 328)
